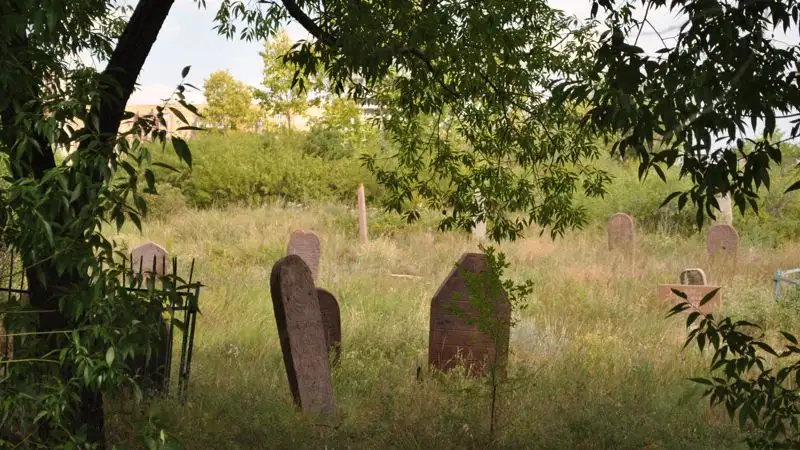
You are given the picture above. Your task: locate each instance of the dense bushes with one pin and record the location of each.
(323, 165)
(251, 169)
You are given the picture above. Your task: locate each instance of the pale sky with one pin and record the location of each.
(188, 38)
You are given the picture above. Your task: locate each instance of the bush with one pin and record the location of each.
(252, 169)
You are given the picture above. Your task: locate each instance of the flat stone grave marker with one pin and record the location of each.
(305, 244)
(621, 232)
(452, 339)
(694, 294)
(331, 323)
(695, 277)
(723, 240)
(302, 335)
(143, 255)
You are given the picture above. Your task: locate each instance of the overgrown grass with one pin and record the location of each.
(594, 363)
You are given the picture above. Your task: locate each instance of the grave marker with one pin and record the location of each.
(331, 322)
(302, 337)
(621, 232)
(723, 240)
(451, 337)
(362, 214)
(696, 277)
(694, 294)
(144, 256)
(305, 244)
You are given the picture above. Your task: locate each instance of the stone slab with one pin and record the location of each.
(302, 335)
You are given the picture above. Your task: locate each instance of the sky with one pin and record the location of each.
(188, 38)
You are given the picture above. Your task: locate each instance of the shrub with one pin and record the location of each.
(252, 169)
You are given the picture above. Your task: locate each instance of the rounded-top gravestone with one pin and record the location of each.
(695, 277)
(150, 258)
(723, 240)
(331, 322)
(305, 244)
(302, 335)
(621, 232)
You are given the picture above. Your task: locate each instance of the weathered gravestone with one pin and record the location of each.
(723, 241)
(696, 277)
(302, 336)
(621, 232)
(150, 258)
(331, 322)
(452, 339)
(694, 294)
(305, 244)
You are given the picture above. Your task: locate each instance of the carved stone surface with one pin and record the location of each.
(621, 232)
(144, 255)
(302, 335)
(723, 240)
(694, 295)
(452, 339)
(696, 277)
(305, 244)
(331, 322)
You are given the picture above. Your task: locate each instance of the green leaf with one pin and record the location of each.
(795, 186)
(185, 71)
(182, 150)
(110, 355)
(709, 296)
(789, 337)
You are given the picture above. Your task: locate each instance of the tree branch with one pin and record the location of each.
(308, 23)
(119, 77)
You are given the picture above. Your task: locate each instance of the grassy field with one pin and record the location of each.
(594, 362)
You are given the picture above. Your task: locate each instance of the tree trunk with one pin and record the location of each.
(46, 286)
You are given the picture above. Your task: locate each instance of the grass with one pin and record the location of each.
(594, 363)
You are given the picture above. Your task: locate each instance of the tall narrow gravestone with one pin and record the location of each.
(723, 241)
(150, 258)
(305, 244)
(621, 232)
(694, 294)
(331, 323)
(696, 277)
(302, 336)
(452, 339)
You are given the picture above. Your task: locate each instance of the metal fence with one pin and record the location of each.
(784, 277)
(169, 366)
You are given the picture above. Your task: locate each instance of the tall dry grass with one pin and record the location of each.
(594, 362)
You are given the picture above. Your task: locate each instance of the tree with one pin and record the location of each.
(339, 133)
(515, 74)
(229, 101)
(512, 78)
(282, 95)
(86, 323)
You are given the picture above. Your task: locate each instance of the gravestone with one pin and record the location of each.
(362, 214)
(143, 256)
(621, 232)
(723, 241)
(305, 244)
(331, 323)
(696, 277)
(452, 340)
(302, 336)
(694, 294)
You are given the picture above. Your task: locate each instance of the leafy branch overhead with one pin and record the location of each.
(695, 101)
(471, 108)
(464, 96)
